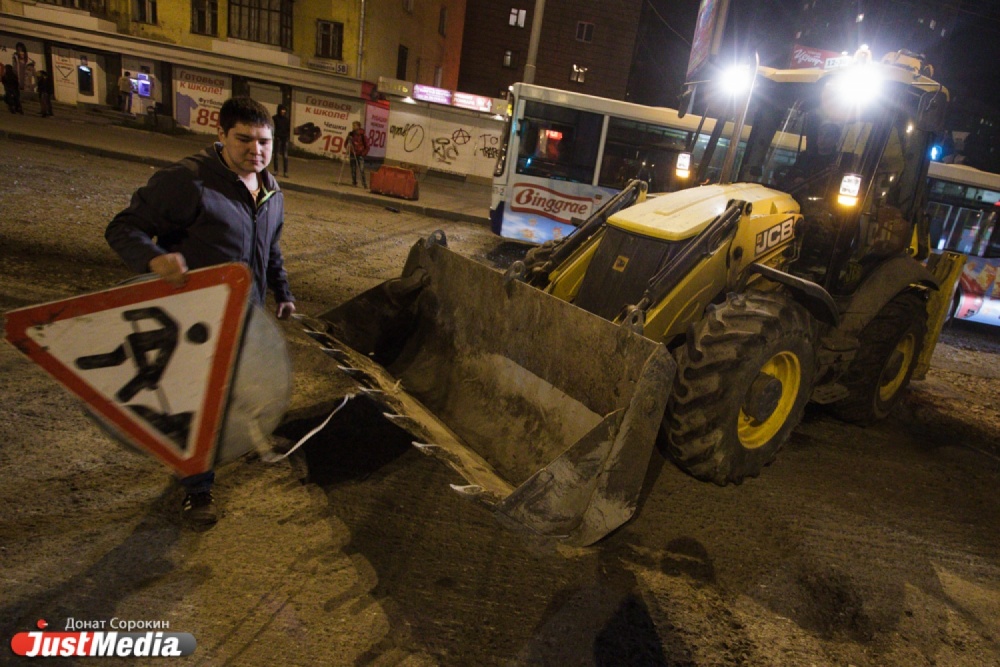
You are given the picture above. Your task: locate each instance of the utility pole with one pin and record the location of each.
(536, 34)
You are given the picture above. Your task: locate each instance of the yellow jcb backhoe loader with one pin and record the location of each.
(710, 315)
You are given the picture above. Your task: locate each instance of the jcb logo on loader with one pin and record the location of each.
(773, 236)
(620, 263)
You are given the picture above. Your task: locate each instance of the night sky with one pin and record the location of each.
(967, 61)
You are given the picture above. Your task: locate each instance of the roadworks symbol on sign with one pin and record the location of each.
(152, 362)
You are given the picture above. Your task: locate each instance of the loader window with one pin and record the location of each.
(559, 143)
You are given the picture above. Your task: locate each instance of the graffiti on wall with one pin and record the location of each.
(444, 140)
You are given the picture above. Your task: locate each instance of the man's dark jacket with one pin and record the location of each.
(201, 209)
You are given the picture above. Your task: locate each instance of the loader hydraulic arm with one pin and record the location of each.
(701, 246)
(540, 261)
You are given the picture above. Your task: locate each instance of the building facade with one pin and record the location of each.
(185, 57)
(585, 45)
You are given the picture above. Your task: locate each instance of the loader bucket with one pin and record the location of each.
(549, 412)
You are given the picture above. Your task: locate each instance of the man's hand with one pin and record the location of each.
(284, 310)
(171, 267)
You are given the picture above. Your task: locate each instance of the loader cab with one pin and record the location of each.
(852, 148)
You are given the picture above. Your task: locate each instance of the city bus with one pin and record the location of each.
(563, 154)
(963, 207)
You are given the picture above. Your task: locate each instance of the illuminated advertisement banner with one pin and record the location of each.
(431, 94)
(470, 101)
(808, 57)
(707, 32)
(198, 96)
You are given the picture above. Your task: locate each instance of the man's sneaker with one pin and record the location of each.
(198, 510)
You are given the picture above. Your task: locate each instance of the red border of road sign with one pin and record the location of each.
(202, 454)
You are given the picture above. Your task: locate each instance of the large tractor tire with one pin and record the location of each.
(744, 377)
(889, 347)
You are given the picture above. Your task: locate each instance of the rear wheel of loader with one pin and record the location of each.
(744, 377)
(890, 346)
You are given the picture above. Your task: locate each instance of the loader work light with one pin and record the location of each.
(736, 79)
(850, 187)
(859, 85)
(683, 165)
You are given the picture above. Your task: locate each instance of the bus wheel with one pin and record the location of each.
(890, 345)
(744, 377)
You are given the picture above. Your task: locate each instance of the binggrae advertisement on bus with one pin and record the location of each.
(320, 123)
(978, 297)
(444, 141)
(198, 96)
(540, 210)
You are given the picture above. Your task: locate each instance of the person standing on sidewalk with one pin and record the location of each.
(125, 92)
(282, 135)
(11, 90)
(218, 206)
(357, 146)
(46, 89)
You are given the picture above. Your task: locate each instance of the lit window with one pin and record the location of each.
(517, 17)
(442, 21)
(509, 59)
(330, 40)
(408, 5)
(584, 31)
(438, 76)
(578, 74)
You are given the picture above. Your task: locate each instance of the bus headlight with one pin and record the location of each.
(683, 169)
(850, 187)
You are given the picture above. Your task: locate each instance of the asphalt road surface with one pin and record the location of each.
(875, 546)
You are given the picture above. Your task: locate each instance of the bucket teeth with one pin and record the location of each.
(424, 448)
(467, 489)
(395, 418)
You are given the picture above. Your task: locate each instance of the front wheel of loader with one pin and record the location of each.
(889, 347)
(744, 377)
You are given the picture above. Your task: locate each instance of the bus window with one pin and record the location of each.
(559, 143)
(640, 150)
(986, 242)
(938, 214)
(966, 228)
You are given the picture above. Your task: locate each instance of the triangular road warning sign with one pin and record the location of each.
(153, 362)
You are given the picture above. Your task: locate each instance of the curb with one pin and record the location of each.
(369, 198)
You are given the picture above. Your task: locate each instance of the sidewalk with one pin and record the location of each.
(108, 133)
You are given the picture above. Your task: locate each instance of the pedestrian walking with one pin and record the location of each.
(357, 147)
(46, 90)
(282, 135)
(221, 205)
(125, 92)
(11, 90)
